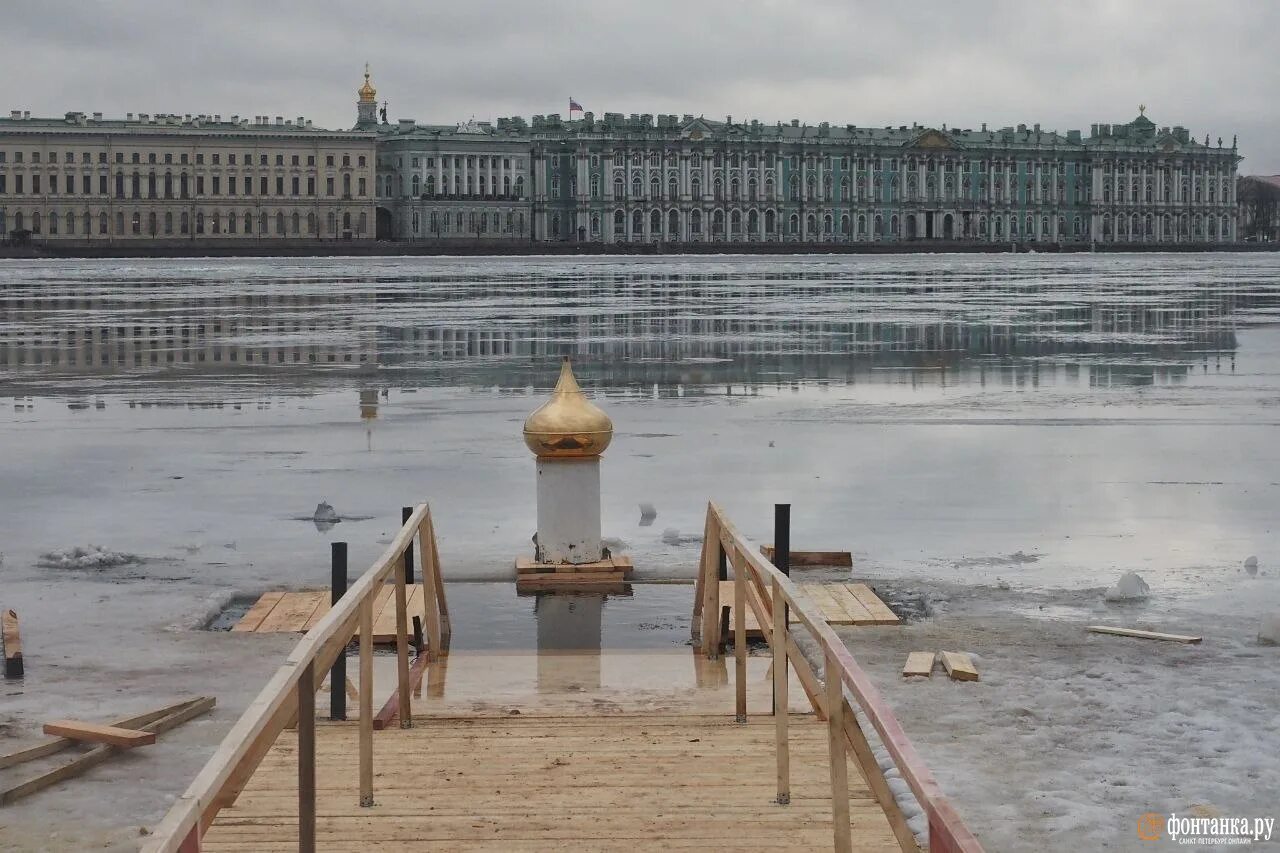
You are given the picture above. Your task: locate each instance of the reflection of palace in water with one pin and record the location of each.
(626, 330)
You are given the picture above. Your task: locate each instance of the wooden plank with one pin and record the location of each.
(292, 612)
(813, 559)
(79, 730)
(959, 666)
(57, 744)
(384, 615)
(570, 784)
(831, 611)
(881, 613)
(919, 664)
(1144, 635)
(569, 578)
(858, 613)
(101, 753)
(254, 615)
(12, 644)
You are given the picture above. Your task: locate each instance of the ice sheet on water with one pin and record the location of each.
(87, 557)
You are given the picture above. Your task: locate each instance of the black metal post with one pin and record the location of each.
(782, 550)
(405, 512)
(338, 674)
(722, 573)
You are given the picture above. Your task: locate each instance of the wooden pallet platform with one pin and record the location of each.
(603, 575)
(590, 783)
(839, 603)
(297, 612)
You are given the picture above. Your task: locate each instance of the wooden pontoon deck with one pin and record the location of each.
(604, 752)
(589, 783)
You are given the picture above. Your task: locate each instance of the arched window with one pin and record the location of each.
(619, 188)
(295, 222)
(768, 189)
(595, 190)
(637, 189)
(168, 185)
(673, 224)
(151, 223)
(332, 223)
(151, 185)
(734, 189)
(717, 189)
(71, 223)
(845, 224)
(794, 188)
(103, 221)
(311, 222)
(793, 224)
(279, 223)
(811, 226)
(893, 226)
(217, 222)
(862, 225)
(619, 223)
(637, 223)
(595, 222)
(199, 223)
(826, 225)
(168, 222)
(696, 189)
(695, 222)
(184, 224)
(735, 222)
(655, 188)
(717, 223)
(844, 189)
(753, 222)
(53, 222)
(768, 222)
(416, 184)
(248, 222)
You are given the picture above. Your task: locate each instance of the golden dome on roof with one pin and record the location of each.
(367, 92)
(568, 425)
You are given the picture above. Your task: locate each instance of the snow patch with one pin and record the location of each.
(88, 557)
(1269, 630)
(1130, 587)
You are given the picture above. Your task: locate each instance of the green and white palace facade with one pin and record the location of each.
(610, 179)
(685, 179)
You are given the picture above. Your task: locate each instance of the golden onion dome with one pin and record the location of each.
(568, 425)
(367, 92)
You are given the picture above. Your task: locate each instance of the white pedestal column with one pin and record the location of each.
(569, 510)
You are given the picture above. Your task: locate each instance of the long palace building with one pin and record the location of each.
(607, 179)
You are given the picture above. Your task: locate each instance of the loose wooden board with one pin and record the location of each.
(102, 752)
(57, 744)
(1144, 635)
(838, 603)
(959, 666)
(12, 644)
(919, 664)
(299, 611)
(806, 559)
(98, 733)
(527, 567)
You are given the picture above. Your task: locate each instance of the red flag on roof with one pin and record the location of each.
(574, 105)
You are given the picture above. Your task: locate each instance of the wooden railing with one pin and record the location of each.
(759, 584)
(291, 694)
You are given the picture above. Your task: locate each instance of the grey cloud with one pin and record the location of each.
(1210, 67)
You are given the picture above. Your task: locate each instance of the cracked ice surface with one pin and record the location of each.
(936, 415)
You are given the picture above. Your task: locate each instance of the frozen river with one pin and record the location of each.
(962, 422)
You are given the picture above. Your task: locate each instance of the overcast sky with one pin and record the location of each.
(1210, 65)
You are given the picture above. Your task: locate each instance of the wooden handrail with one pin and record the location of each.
(947, 832)
(229, 768)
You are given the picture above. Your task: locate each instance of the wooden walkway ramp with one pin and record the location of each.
(586, 783)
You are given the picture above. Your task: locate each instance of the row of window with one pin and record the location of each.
(460, 161)
(907, 226)
(472, 222)
(479, 186)
(929, 164)
(155, 224)
(69, 158)
(169, 186)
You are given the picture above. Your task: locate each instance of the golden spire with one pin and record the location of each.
(368, 94)
(568, 425)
